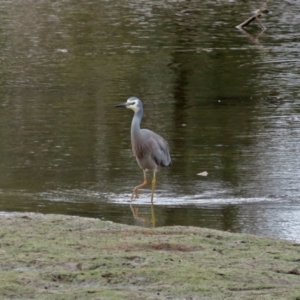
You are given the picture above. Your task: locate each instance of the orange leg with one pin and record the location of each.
(135, 193)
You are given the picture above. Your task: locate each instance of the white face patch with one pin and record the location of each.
(133, 105)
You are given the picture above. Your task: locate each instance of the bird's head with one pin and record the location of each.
(133, 103)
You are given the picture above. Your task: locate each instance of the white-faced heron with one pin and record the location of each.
(150, 149)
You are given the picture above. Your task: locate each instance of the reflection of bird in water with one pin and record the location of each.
(141, 217)
(150, 149)
(137, 215)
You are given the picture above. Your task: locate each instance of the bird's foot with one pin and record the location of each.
(135, 194)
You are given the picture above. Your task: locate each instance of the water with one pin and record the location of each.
(226, 100)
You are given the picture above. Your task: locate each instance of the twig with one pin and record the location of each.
(257, 14)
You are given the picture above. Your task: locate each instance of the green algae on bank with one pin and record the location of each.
(63, 257)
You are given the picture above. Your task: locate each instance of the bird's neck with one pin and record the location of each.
(135, 124)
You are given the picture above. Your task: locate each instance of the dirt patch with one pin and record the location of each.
(173, 247)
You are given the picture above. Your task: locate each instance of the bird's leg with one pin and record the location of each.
(135, 193)
(153, 185)
(153, 220)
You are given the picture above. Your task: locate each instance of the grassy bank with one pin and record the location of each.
(62, 257)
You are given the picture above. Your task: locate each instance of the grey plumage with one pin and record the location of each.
(150, 149)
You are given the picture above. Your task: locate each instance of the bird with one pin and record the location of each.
(150, 149)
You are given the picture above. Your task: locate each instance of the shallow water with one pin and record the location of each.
(227, 101)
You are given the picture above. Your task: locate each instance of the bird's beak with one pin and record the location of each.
(122, 104)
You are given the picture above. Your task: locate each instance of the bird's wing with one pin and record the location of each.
(157, 147)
